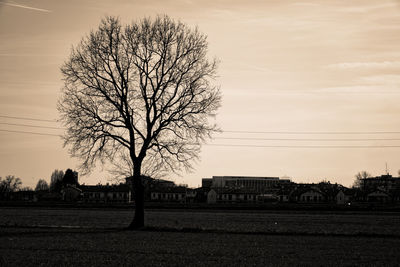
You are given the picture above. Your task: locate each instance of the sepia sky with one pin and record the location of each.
(304, 73)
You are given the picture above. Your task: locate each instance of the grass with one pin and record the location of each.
(52, 237)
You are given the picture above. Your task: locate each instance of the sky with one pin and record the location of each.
(296, 76)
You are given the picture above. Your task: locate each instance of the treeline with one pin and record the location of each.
(58, 179)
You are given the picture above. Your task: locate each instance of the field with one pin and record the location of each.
(52, 237)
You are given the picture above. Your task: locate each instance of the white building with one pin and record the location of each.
(258, 184)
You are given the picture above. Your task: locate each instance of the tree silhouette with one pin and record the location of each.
(359, 176)
(42, 185)
(8, 185)
(141, 92)
(56, 180)
(70, 177)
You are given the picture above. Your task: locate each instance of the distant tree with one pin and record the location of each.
(141, 92)
(10, 183)
(359, 176)
(56, 180)
(42, 185)
(70, 177)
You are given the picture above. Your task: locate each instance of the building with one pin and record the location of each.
(71, 193)
(231, 195)
(343, 196)
(380, 196)
(169, 194)
(385, 182)
(246, 189)
(253, 183)
(106, 193)
(313, 195)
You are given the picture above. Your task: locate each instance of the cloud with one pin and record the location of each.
(361, 89)
(26, 7)
(385, 79)
(369, 8)
(365, 65)
(306, 4)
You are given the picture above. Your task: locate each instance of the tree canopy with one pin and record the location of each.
(56, 180)
(10, 184)
(139, 96)
(70, 177)
(359, 176)
(42, 185)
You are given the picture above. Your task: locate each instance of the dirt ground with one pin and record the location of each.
(54, 237)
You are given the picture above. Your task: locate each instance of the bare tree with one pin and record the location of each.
(8, 185)
(142, 94)
(42, 185)
(359, 176)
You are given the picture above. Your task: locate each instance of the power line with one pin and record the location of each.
(26, 118)
(224, 131)
(33, 126)
(10, 131)
(297, 132)
(307, 139)
(233, 145)
(317, 146)
(240, 138)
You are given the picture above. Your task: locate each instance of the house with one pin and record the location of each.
(379, 195)
(341, 198)
(311, 195)
(191, 195)
(283, 194)
(168, 194)
(201, 194)
(231, 195)
(106, 193)
(252, 183)
(344, 196)
(71, 193)
(212, 197)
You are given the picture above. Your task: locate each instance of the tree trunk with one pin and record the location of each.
(138, 189)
